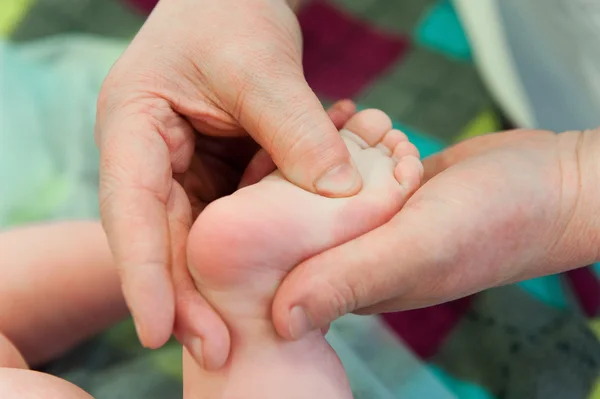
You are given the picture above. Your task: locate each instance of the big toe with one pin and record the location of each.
(372, 128)
(367, 128)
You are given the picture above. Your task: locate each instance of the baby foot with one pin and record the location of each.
(242, 246)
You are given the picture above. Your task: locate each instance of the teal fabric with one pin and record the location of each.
(547, 289)
(463, 389)
(427, 145)
(441, 30)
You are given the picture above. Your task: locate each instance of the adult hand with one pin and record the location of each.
(224, 68)
(496, 209)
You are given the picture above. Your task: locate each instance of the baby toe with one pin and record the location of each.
(409, 173)
(390, 140)
(404, 149)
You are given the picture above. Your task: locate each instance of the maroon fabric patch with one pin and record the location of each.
(343, 55)
(424, 330)
(586, 287)
(145, 6)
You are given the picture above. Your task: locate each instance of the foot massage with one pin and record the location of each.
(253, 242)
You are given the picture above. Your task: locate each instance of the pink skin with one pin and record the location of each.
(495, 209)
(231, 70)
(242, 247)
(53, 298)
(37, 306)
(10, 356)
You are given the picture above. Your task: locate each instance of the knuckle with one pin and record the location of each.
(338, 299)
(296, 139)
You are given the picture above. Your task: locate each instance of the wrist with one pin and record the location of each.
(580, 167)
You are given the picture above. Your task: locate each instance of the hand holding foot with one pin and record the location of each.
(496, 209)
(242, 246)
(172, 116)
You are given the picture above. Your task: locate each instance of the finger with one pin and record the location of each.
(375, 267)
(262, 164)
(197, 325)
(135, 184)
(199, 328)
(286, 118)
(468, 148)
(398, 304)
(340, 112)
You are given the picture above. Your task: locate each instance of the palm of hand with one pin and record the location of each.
(498, 204)
(216, 169)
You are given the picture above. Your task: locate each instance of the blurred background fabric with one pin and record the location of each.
(48, 160)
(424, 62)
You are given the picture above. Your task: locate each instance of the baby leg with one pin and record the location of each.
(59, 287)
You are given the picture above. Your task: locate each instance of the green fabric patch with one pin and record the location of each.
(42, 205)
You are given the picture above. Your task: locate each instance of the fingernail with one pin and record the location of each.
(195, 348)
(340, 180)
(300, 323)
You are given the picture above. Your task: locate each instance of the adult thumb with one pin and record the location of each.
(288, 121)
